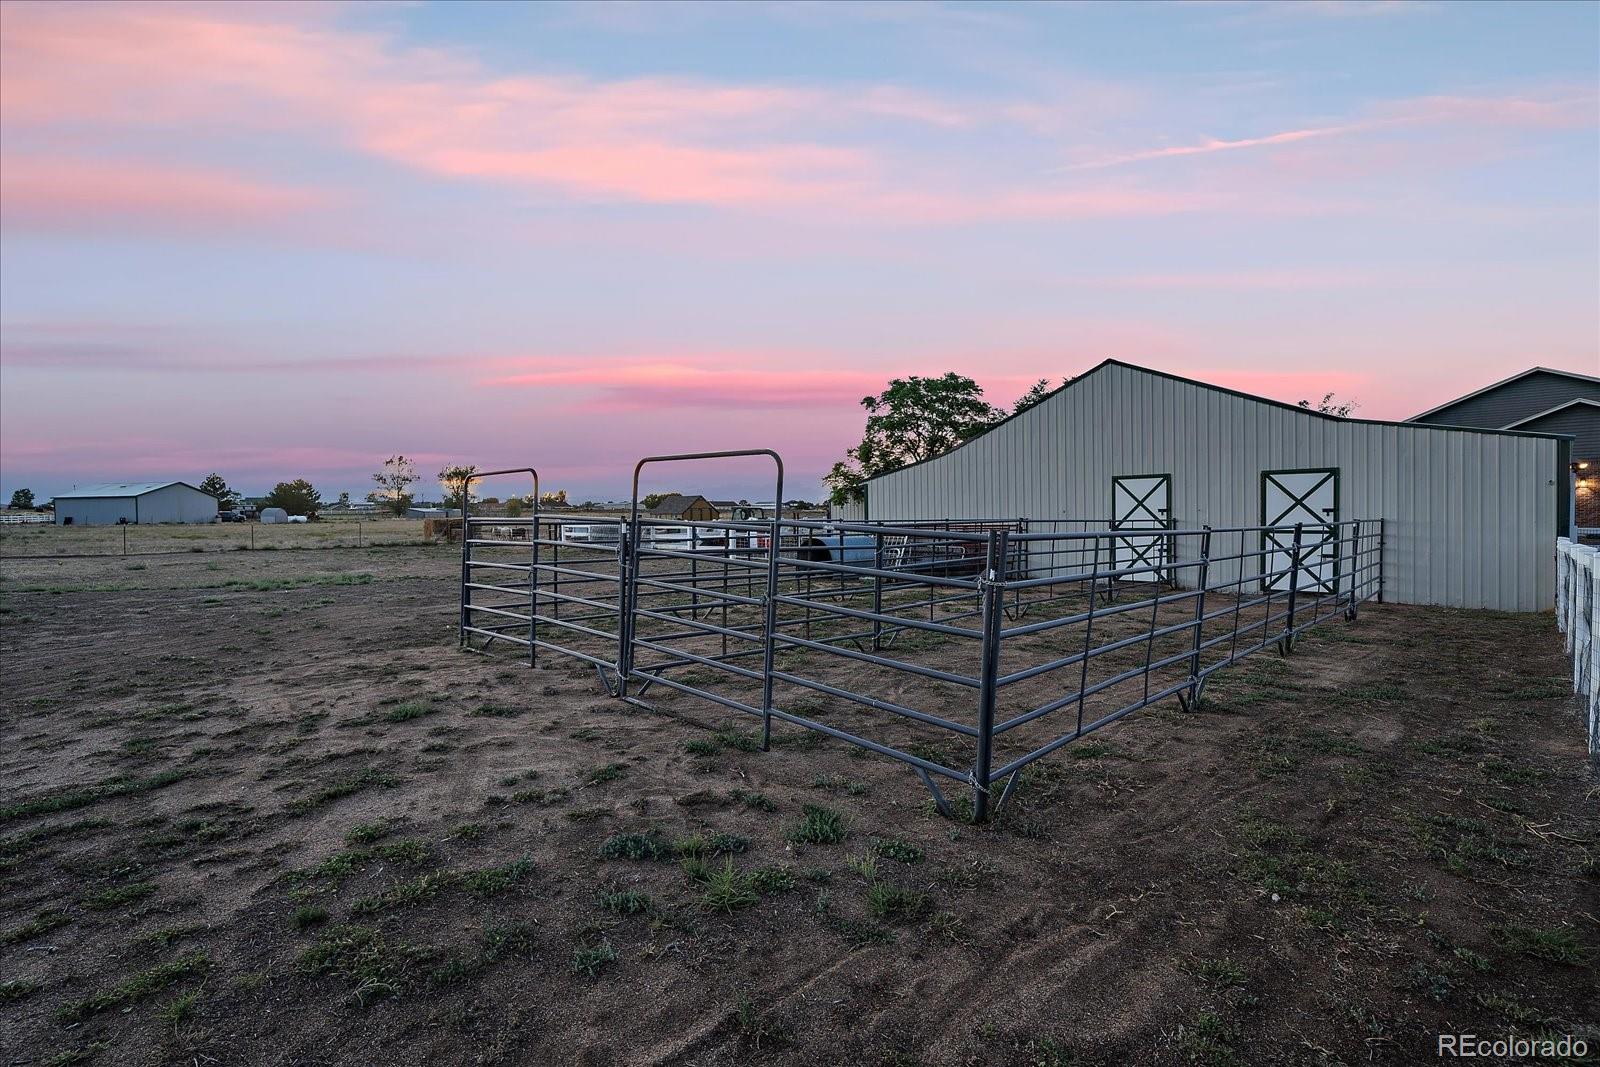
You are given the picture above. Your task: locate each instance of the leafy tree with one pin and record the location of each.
(457, 484)
(913, 419)
(344, 500)
(296, 497)
(514, 507)
(22, 499)
(1332, 405)
(227, 499)
(1036, 392)
(652, 500)
(394, 481)
(557, 499)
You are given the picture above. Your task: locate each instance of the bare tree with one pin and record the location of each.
(394, 482)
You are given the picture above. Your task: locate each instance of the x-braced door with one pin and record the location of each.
(1141, 502)
(1309, 498)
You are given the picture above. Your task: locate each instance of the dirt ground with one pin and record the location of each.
(257, 808)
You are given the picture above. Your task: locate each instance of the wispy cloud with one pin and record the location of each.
(97, 194)
(1562, 108)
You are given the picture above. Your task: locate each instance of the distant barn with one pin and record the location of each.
(141, 502)
(688, 508)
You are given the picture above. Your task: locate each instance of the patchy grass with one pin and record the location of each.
(406, 894)
(496, 711)
(15, 989)
(650, 845)
(118, 896)
(1554, 946)
(138, 987)
(590, 961)
(38, 926)
(409, 710)
(756, 801)
(819, 826)
(491, 881)
(373, 969)
(119, 786)
(628, 902)
(344, 787)
(899, 851)
(757, 1029)
(601, 775)
(728, 890)
(893, 903)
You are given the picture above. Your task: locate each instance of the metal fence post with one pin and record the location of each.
(627, 584)
(1192, 701)
(466, 576)
(533, 590)
(1380, 559)
(1286, 644)
(877, 593)
(992, 589)
(769, 624)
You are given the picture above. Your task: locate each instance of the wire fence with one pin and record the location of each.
(966, 649)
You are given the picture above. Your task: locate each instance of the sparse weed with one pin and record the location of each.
(820, 826)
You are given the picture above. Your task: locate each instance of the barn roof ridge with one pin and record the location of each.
(100, 490)
(1492, 386)
(1309, 412)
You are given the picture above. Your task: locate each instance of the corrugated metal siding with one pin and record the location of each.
(174, 503)
(1513, 401)
(177, 503)
(1470, 517)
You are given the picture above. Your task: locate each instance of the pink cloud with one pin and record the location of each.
(719, 384)
(652, 140)
(71, 193)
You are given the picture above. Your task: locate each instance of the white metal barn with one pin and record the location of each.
(1470, 516)
(141, 502)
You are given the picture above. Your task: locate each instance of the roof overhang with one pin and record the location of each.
(1507, 381)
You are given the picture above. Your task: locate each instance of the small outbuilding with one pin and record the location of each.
(688, 508)
(114, 503)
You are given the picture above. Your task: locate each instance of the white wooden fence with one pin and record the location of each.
(1578, 615)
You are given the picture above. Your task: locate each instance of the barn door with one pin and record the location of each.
(1311, 498)
(1141, 502)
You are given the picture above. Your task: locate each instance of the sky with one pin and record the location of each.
(280, 241)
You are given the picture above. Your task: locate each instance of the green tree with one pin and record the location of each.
(394, 481)
(457, 484)
(1036, 392)
(296, 497)
(912, 420)
(514, 507)
(1332, 405)
(557, 499)
(651, 500)
(22, 499)
(227, 499)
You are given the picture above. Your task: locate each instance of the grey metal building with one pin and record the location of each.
(137, 502)
(1470, 516)
(1544, 401)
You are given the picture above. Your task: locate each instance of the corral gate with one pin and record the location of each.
(1141, 502)
(1308, 498)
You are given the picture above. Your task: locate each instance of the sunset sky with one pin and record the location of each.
(278, 241)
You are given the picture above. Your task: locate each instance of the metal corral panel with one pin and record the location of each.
(1470, 516)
